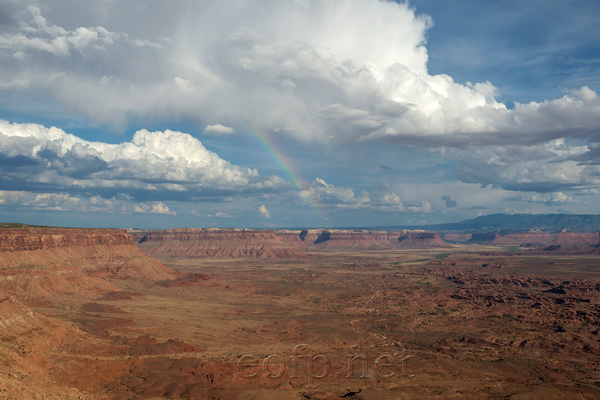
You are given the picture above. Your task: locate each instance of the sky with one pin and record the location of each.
(298, 113)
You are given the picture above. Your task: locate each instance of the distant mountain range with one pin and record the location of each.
(514, 223)
(486, 223)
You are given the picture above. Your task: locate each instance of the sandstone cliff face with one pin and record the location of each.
(374, 239)
(277, 244)
(356, 239)
(419, 239)
(218, 243)
(457, 237)
(40, 262)
(23, 239)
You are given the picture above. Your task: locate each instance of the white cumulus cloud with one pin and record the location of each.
(264, 212)
(23, 200)
(329, 195)
(167, 164)
(557, 198)
(340, 70)
(218, 129)
(155, 207)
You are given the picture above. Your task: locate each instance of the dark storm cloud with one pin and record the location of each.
(14, 163)
(448, 201)
(592, 157)
(548, 167)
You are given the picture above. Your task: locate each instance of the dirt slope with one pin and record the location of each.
(52, 270)
(41, 262)
(28, 343)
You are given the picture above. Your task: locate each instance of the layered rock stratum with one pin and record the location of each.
(219, 243)
(364, 239)
(37, 262)
(198, 242)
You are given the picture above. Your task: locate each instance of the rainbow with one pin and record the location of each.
(291, 173)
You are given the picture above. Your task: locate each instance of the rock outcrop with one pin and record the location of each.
(373, 240)
(420, 239)
(350, 239)
(457, 237)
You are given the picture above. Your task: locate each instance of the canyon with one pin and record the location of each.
(288, 314)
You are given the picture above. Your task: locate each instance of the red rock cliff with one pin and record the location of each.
(277, 244)
(354, 239)
(199, 242)
(362, 239)
(420, 238)
(37, 262)
(22, 239)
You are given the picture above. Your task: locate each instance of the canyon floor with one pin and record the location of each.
(467, 321)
